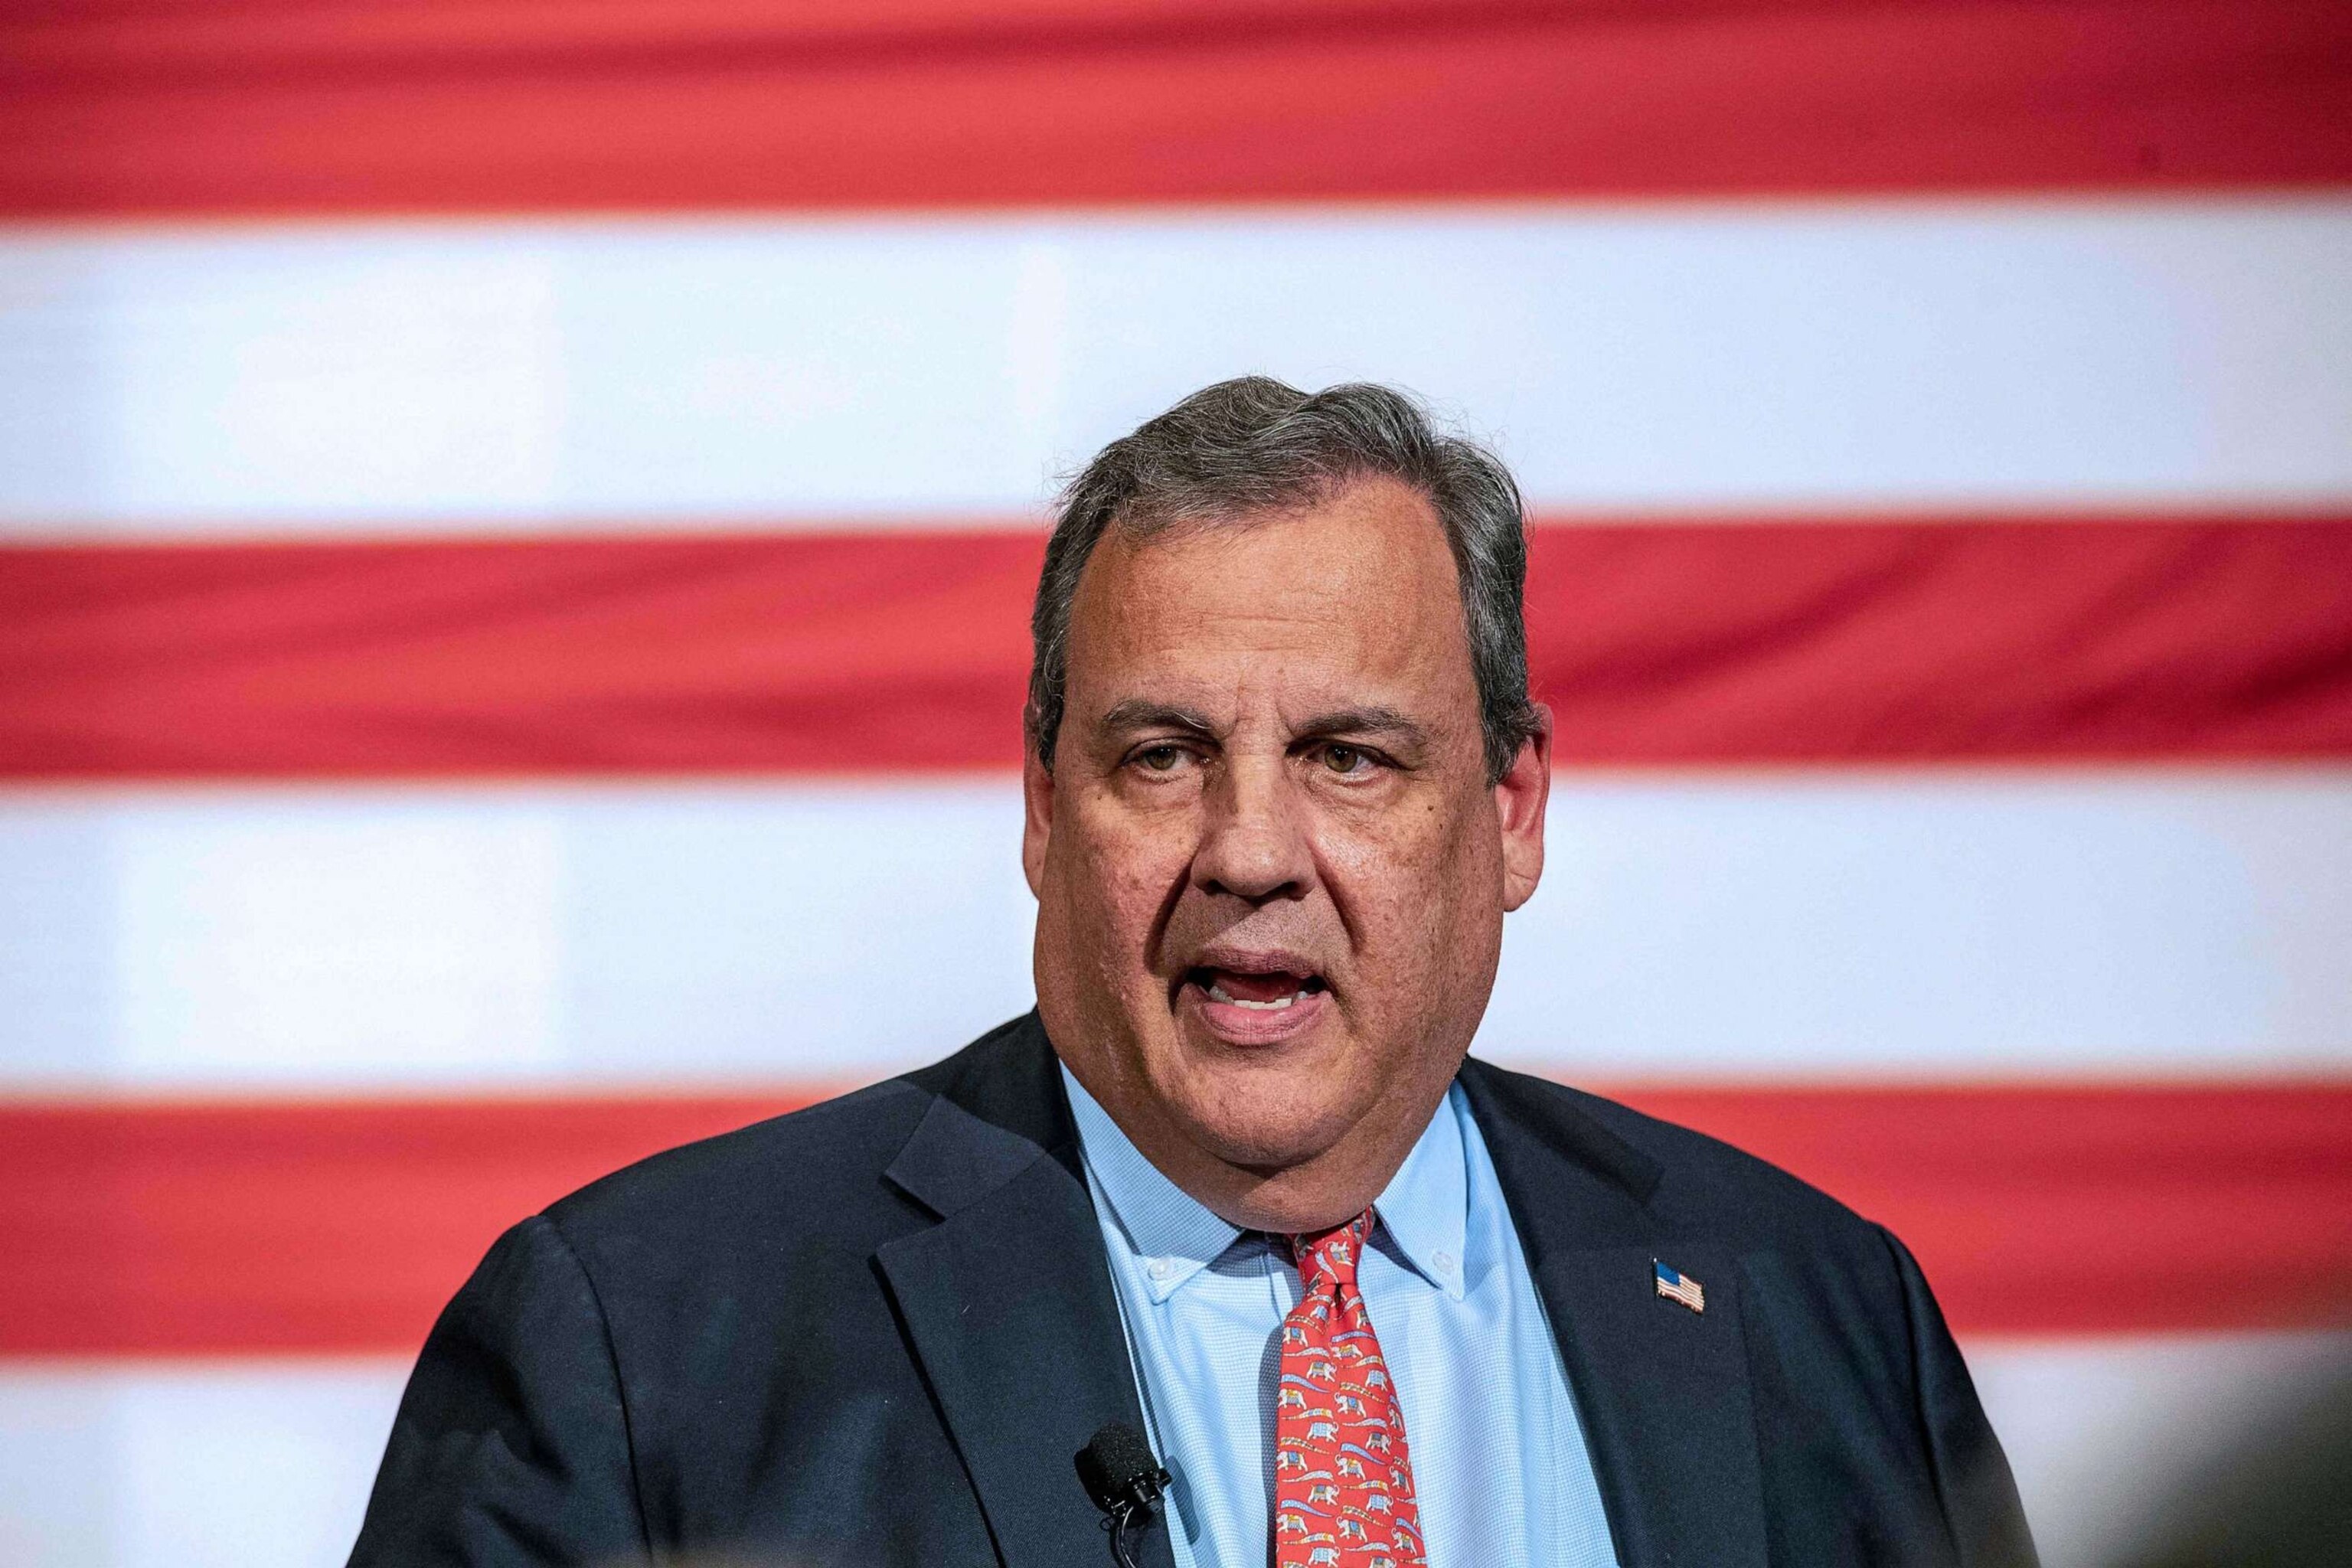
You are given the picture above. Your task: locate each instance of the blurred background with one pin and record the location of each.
(516, 523)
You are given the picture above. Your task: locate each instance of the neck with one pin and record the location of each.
(1323, 1188)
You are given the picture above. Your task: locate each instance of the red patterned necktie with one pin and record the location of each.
(1342, 1481)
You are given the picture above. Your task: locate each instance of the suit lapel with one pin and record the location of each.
(1009, 1306)
(1662, 1392)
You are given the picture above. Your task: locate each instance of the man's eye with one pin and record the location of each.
(1345, 760)
(1160, 759)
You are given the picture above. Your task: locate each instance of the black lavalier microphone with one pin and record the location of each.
(1124, 1477)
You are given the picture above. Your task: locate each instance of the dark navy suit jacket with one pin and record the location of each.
(875, 1332)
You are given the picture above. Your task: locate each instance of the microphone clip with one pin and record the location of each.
(1123, 1478)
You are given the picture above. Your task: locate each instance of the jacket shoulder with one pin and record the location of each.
(815, 1172)
(793, 1158)
(1689, 1179)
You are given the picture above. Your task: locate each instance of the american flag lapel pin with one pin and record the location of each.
(1680, 1287)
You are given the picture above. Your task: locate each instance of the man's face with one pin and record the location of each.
(1270, 869)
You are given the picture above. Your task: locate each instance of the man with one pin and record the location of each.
(1236, 1184)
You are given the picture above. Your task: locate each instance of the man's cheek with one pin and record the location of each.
(1388, 865)
(1141, 855)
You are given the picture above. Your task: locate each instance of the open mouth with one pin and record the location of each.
(1274, 991)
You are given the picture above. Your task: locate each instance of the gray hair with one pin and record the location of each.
(1254, 445)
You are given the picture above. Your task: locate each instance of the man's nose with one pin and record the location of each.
(1254, 843)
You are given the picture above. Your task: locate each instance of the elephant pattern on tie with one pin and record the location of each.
(1343, 1477)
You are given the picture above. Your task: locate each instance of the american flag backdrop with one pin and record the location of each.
(516, 522)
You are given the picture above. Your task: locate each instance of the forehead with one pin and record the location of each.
(1356, 591)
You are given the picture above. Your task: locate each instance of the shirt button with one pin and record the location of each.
(1445, 1261)
(1161, 1267)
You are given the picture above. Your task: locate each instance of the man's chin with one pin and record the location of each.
(1264, 1121)
(1269, 1151)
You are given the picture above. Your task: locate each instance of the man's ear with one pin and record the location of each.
(1519, 800)
(1036, 814)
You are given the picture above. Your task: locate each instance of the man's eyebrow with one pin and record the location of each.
(1370, 721)
(1140, 713)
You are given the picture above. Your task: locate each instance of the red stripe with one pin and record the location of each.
(329, 1227)
(877, 651)
(194, 1229)
(505, 104)
(2079, 1210)
(1938, 642)
(1658, 644)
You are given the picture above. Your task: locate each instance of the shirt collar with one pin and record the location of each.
(1424, 1209)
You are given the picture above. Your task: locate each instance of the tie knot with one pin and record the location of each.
(1328, 1258)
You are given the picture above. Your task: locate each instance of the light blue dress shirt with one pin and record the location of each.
(1498, 1457)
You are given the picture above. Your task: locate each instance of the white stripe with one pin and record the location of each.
(2114, 1440)
(1854, 924)
(266, 1463)
(2019, 354)
(237, 1464)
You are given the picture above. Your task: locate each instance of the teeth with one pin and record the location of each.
(1219, 993)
